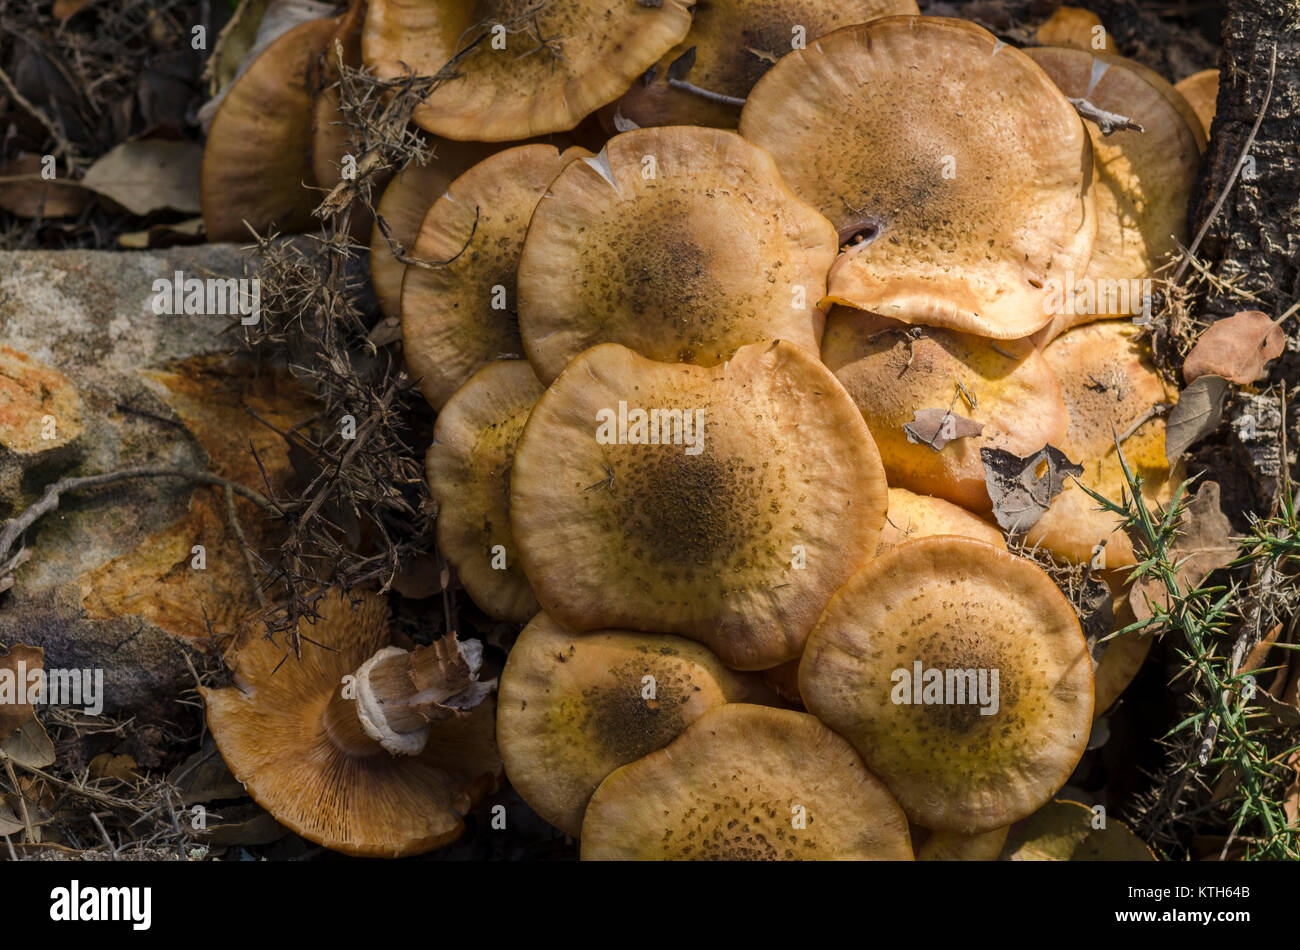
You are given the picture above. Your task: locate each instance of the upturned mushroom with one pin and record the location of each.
(681, 243)
(746, 782)
(357, 745)
(957, 175)
(723, 503)
(961, 675)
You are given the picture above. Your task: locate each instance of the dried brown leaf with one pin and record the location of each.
(937, 427)
(1022, 488)
(1198, 413)
(1236, 348)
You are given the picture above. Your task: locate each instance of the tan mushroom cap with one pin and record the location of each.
(574, 707)
(892, 371)
(913, 516)
(458, 317)
(747, 783)
(1201, 90)
(735, 534)
(1167, 89)
(960, 165)
(521, 69)
(1144, 183)
(1109, 384)
(953, 846)
(257, 163)
(954, 604)
(735, 43)
(299, 748)
(1074, 27)
(682, 243)
(404, 204)
(469, 468)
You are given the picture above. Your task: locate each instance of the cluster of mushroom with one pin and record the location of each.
(713, 414)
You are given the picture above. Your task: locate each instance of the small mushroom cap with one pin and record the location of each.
(402, 207)
(1108, 383)
(520, 69)
(746, 782)
(469, 476)
(957, 606)
(454, 318)
(315, 771)
(734, 532)
(1144, 182)
(960, 165)
(1074, 27)
(893, 371)
(735, 43)
(574, 707)
(913, 516)
(952, 846)
(708, 253)
(257, 163)
(1201, 90)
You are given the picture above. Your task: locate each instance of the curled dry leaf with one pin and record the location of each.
(1204, 544)
(1068, 831)
(1198, 413)
(1022, 488)
(16, 668)
(1095, 606)
(1236, 348)
(937, 427)
(149, 175)
(25, 193)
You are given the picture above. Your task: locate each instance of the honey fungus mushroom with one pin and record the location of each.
(1111, 389)
(913, 516)
(961, 675)
(1076, 28)
(469, 477)
(574, 707)
(320, 761)
(459, 316)
(681, 243)
(517, 69)
(1201, 90)
(746, 782)
(893, 371)
(957, 175)
(723, 503)
(732, 43)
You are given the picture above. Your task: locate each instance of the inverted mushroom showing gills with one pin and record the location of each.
(724, 503)
(344, 753)
(681, 243)
(517, 68)
(961, 674)
(750, 783)
(957, 174)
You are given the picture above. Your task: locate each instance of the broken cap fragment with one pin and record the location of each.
(574, 707)
(961, 675)
(957, 175)
(681, 243)
(746, 782)
(722, 503)
(514, 70)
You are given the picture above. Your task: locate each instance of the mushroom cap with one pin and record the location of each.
(702, 537)
(453, 318)
(1074, 27)
(316, 772)
(1201, 90)
(1143, 184)
(735, 43)
(1167, 89)
(469, 476)
(1018, 400)
(962, 166)
(952, 846)
(913, 516)
(257, 163)
(733, 786)
(507, 83)
(954, 604)
(711, 252)
(403, 206)
(574, 707)
(1108, 383)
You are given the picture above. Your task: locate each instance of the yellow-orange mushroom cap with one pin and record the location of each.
(1201, 90)
(682, 243)
(763, 494)
(913, 516)
(975, 752)
(961, 171)
(574, 707)
(460, 316)
(519, 69)
(748, 783)
(1074, 27)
